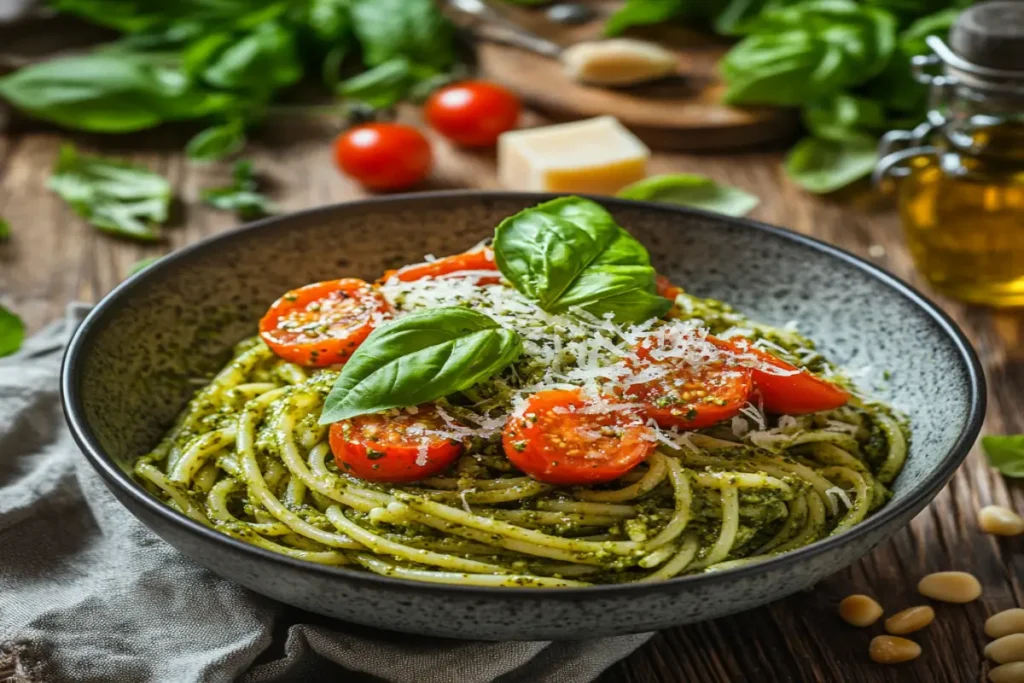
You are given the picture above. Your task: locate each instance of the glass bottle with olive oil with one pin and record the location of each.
(961, 200)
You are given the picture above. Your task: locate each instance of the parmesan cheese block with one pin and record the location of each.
(596, 156)
(619, 61)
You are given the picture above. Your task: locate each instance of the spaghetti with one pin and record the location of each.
(249, 457)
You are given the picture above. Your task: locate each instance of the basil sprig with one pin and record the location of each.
(570, 252)
(1005, 453)
(418, 358)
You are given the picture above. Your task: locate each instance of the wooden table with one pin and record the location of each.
(55, 258)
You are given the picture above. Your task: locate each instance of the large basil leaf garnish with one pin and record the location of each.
(420, 357)
(570, 252)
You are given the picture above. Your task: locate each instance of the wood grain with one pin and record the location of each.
(54, 258)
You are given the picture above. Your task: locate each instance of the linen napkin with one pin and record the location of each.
(88, 594)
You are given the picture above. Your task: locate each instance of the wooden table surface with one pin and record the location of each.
(55, 258)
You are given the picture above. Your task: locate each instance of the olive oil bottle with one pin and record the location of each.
(963, 215)
(961, 189)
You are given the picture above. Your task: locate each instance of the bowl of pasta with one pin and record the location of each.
(515, 416)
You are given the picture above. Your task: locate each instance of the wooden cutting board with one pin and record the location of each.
(682, 113)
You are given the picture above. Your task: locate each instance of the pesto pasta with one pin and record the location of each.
(524, 440)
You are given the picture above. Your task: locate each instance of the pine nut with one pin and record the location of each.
(859, 610)
(1007, 673)
(995, 519)
(950, 587)
(1007, 649)
(910, 620)
(893, 650)
(1004, 623)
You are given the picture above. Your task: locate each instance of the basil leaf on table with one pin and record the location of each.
(643, 13)
(697, 191)
(217, 142)
(116, 197)
(12, 332)
(260, 62)
(841, 116)
(797, 53)
(242, 196)
(5, 230)
(107, 93)
(570, 252)
(420, 357)
(821, 166)
(415, 29)
(382, 86)
(1005, 453)
(142, 264)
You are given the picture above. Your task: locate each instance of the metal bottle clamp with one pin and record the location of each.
(898, 146)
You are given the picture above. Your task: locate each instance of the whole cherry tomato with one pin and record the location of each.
(384, 156)
(472, 113)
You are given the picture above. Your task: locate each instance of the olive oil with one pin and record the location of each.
(963, 214)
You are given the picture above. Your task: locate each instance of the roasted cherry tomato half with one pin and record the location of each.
(665, 288)
(394, 446)
(782, 387)
(480, 259)
(384, 156)
(688, 397)
(322, 323)
(561, 438)
(472, 113)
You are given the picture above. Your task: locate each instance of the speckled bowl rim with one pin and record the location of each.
(116, 478)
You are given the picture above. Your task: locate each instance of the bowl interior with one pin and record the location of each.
(162, 333)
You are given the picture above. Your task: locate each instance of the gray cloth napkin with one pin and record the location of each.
(88, 594)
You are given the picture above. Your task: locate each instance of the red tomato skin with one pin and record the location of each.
(360, 457)
(799, 393)
(728, 386)
(321, 352)
(665, 288)
(475, 259)
(472, 113)
(526, 444)
(384, 156)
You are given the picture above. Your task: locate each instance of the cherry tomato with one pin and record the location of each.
(785, 389)
(322, 323)
(394, 446)
(384, 156)
(665, 288)
(472, 113)
(689, 397)
(561, 438)
(474, 260)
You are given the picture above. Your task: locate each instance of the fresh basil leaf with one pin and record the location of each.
(822, 166)
(107, 93)
(5, 230)
(415, 29)
(912, 40)
(258, 63)
(115, 196)
(12, 332)
(382, 86)
(142, 264)
(842, 116)
(570, 252)
(242, 196)
(643, 13)
(420, 357)
(217, 142)
(800, 52)
(692, 190)
(1005, 453)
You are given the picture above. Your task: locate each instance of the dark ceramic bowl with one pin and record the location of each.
(126, 376)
